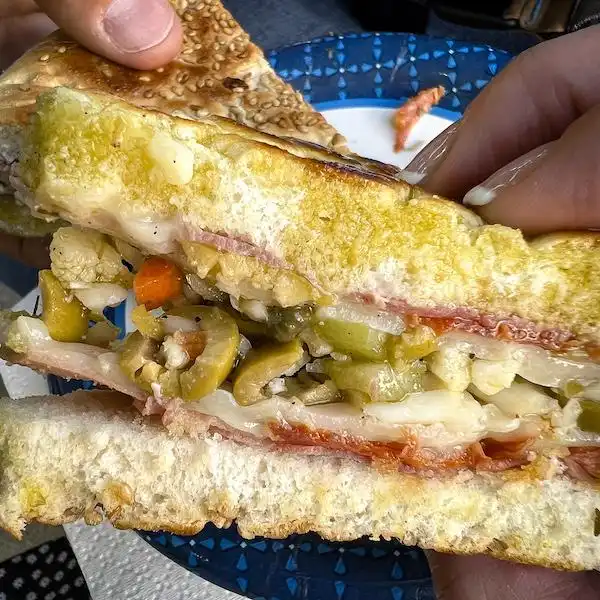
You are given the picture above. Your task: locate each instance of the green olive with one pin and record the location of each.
(169, 383)
(135, 352)
(356, 339)
(319, 393)
(212, 367)
(589, 419)
(251, 329)
(261, 366)
(147, 323)
(284, 324)
(378, 380)
(65, 317)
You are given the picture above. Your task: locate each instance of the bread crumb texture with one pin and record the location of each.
(348, 226)
(219, 71)
(88, 455)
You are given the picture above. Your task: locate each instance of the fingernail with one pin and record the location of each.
(430, 157)
(508, 176)
(137, 25)
(411, 177)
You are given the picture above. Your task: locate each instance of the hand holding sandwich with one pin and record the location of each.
(532, 138)
(142, 34)
(455, 577)
(528, 142)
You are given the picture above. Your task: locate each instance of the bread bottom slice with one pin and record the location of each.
(90, 455)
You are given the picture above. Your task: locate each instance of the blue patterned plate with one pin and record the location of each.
(356, 80)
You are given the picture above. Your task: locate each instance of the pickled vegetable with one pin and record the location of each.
(204, 289)
(135, 352)
(147, 323)
(149, 374)
(572, 388)
(291, 289)
(261, 366)
(286, 323)
(319, 393)
(413, 344)
(169, 383)
(251, 329)
(211, 368)
(317, 346)
(378, 380)
(158, 281)
(192, 342)
(65, 317)
(589, 418)
(202, 258)
(102, 334)
(356, 339)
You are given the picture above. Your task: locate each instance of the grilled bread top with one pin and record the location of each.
(219, 71)
(350, 226)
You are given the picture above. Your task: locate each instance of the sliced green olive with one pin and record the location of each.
(413, 344)
(102, 334)
(378, 380)
(263, 365)
(356, 339)
(211, 368)
(251, 329)
(64, 315)
(356, 398)
(571, 389)
(169, 383)
(136, 352)
(147, 323)
(284, 324)
(589, 418)
(319, 393)
(149, 374)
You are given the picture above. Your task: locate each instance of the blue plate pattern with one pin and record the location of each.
(387, 66)
(368, 69)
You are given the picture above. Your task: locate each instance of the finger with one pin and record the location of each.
(143, 34)
(15, 8)
(33, 252)
(530, 103)
(554, 188)
(485, 578)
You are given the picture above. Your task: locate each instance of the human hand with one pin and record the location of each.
(142, 34)
(529, 146)
(530, 141)
(485, 578)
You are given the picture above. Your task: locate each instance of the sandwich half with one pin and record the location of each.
(322, 346)
(219, 72)
(318, 345)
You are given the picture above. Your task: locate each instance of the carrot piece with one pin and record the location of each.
(157, 281)
(407, 116)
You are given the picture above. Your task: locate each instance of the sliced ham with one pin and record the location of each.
(441, 319)
(78, 361)
(583, 463)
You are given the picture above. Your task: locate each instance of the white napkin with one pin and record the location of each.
(119, 565)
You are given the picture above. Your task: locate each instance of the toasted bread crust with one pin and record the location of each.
(350, 226)
(133, 473)
(219, 71)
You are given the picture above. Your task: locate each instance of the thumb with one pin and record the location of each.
(143, 34)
